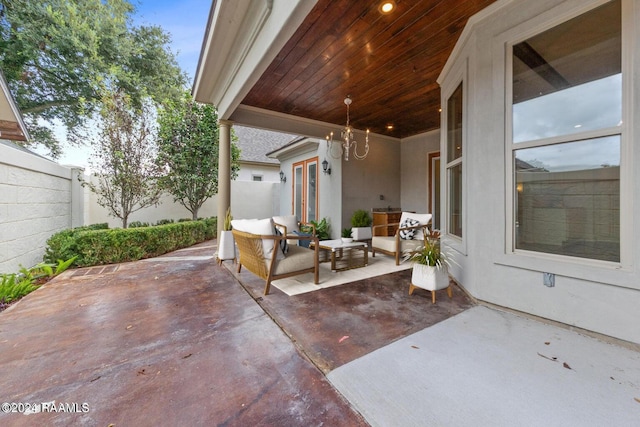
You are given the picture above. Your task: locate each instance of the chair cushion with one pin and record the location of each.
(297, 259)
(263, 227)
(408, 234)
(423, 219)
(388, 243)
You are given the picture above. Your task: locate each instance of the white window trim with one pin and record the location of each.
(456, 77)
(614, 273)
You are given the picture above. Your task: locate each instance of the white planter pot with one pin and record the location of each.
(361, 233)
(226, 246)
(431, 279)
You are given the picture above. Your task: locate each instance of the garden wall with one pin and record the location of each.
(36, 200)
(249, 199)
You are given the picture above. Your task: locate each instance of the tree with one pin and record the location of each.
(124, 156)
(188, 152)
(59, 55)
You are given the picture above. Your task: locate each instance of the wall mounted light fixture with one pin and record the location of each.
(282, 177)
(325, 167)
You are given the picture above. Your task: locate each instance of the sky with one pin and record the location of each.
(186, 21)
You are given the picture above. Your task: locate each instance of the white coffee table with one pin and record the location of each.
(345, 256)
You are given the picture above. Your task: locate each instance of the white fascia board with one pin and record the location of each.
(13, 111)
(243, 38)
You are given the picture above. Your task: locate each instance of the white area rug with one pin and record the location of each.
(486, 367)
(303, 283)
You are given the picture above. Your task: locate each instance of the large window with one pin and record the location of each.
(567, 127)
(454, 162)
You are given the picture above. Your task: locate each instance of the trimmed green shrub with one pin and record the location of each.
(61, 245)
(138, 224)
(164, 221)
(97, 247)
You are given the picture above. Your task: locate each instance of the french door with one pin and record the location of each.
(305, 190)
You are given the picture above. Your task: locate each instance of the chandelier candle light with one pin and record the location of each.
(348, 140)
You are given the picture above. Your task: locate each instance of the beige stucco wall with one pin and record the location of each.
(414, 172)
(35, 202)
(364, 181)
(597, 296)
(269, 173)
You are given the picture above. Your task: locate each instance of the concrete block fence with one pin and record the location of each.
(39, 197)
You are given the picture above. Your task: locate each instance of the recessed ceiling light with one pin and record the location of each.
(387, 7)
(389, 127)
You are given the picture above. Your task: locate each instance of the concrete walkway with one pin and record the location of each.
(178, 340)
(487, 367)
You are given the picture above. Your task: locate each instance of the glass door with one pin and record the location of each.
(305, 190)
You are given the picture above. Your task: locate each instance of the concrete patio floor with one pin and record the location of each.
(179, 340)
(176, 340)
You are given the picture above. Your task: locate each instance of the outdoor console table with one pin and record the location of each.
(345, 256)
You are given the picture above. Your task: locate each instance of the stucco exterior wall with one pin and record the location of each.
(414, 171)
(364, 181)
(268, 173)
(35, 202)
(597, 296)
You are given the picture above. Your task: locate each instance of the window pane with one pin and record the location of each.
(311, 192)
(298, 193)
(568, 199)
(455, 200)
(568, 79)
(454, 125)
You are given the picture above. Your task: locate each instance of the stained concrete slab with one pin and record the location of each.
(158, 343)
(486, 367)
(336, 325)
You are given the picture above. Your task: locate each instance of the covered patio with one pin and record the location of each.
(179, 340)
(462, 99)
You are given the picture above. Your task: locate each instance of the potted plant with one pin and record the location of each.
(226, 244)
(361, 225)
(346, 235)
(430, 269)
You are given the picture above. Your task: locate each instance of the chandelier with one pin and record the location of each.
(337, 148)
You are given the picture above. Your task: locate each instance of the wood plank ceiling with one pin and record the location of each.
(388, 64)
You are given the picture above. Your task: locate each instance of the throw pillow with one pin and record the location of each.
(408, 234)
(304, 243)
(284, 246)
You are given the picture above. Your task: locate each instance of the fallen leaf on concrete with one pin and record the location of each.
(553, 359)
(188, 355)
(566, 365)
(346, 337)
(636, 399)
(96, 378)
(547, 343)
(413, 346)
(129, 327)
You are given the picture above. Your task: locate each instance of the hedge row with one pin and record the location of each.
(109, 246)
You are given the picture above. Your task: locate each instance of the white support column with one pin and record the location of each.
(224, 171)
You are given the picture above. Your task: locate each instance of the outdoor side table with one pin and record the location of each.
(344, 256)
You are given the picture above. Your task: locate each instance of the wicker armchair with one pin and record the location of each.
(395, 245)
(298, 259)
